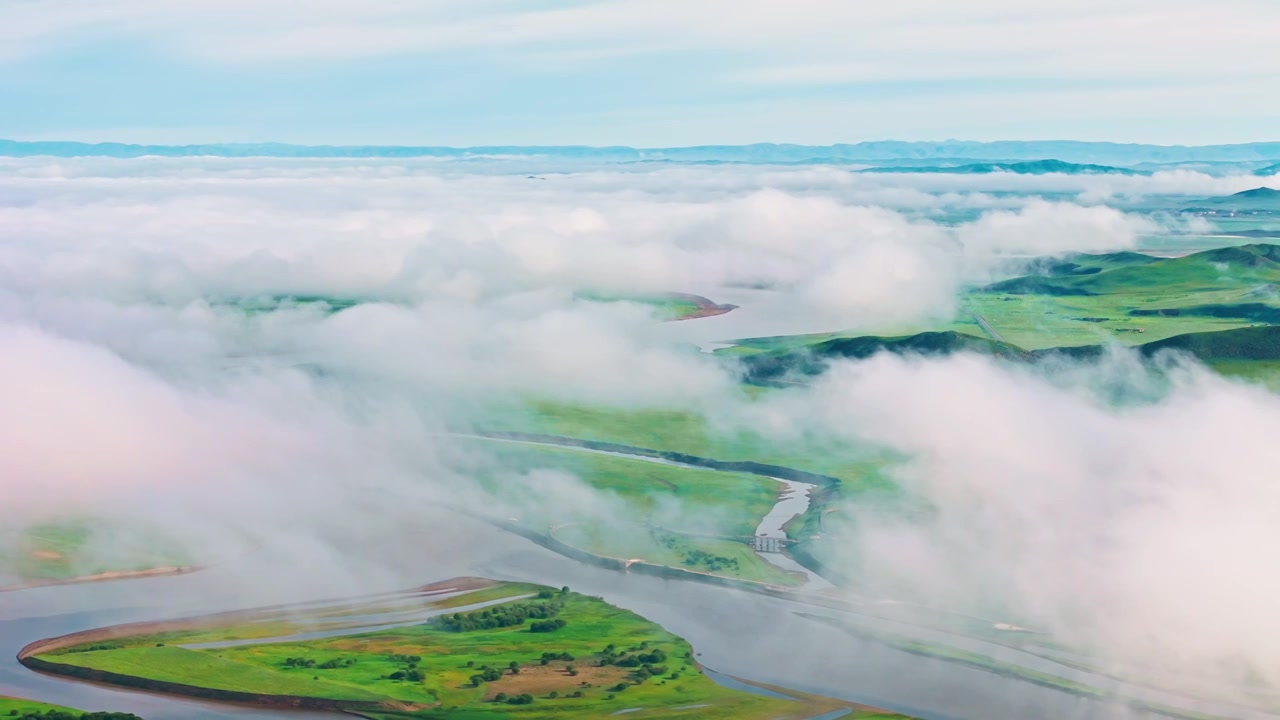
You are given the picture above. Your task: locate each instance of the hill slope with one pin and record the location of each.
(1241, 344)
(813, 359)
(1122, 272)
(1247, 344)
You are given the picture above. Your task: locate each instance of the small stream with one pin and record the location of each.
(793, 501)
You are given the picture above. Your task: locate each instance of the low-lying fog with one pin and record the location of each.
(136, 386)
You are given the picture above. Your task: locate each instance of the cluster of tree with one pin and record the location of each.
(409, 671)
(486, 674)
(550, 657)
(500, 616)
(714, 563)
(410, 674)
(646, 664)
(64, 715)
(546, 626)
(548, 594)
(93, 647)
(334, 664)
(523, 699)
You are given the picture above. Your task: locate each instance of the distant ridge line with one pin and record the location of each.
(1009, 150)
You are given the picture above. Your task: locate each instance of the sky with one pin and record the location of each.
(649, 73)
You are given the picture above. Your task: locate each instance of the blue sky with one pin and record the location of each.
(638, 72)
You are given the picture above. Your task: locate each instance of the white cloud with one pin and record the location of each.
(1126, 531)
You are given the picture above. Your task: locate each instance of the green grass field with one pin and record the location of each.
(1088, 300)
(17, 707)
(592, 684)
(79, 547)
(30, 710)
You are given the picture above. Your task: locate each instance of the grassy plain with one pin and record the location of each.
(448, 661)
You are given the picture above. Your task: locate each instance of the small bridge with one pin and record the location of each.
(769, 544)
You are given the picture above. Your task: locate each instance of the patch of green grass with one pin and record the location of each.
(76, 547)
(16, 706)
(215, 670)
(448, 661)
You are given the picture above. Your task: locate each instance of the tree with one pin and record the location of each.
(515, 667)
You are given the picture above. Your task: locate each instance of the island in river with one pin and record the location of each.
(464, 648)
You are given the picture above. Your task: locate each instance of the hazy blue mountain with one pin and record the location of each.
(1268, 170)
(882, 152)
(1257, 200)
(1034, 167)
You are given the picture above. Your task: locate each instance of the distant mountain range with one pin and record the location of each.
(1033, 167)
(1258, 200)
(881, 152)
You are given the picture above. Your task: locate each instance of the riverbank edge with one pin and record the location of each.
(27, 657)
(112, 576)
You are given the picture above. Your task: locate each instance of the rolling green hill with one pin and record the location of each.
(1221, 268)
(1240, 345)
(812, 360)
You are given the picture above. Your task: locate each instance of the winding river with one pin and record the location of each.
(741, 634)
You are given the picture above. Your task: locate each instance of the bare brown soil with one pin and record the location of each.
(458, 584)
(542, 679)
(706, 307)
